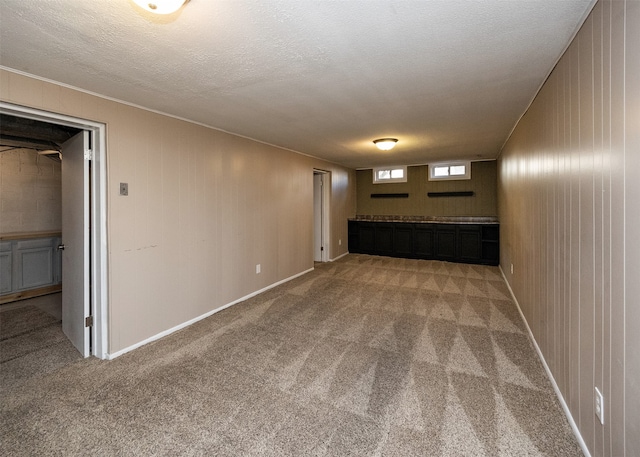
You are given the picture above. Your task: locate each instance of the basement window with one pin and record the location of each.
(449, 171)
(389, 174)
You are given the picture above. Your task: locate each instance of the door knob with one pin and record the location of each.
(61, 247)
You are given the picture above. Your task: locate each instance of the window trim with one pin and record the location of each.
(390, 180)
(433, 166)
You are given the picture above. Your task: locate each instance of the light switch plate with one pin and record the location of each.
(124, 188)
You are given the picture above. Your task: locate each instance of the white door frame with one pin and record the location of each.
(98, 205)
(323, 223)
(76, 303)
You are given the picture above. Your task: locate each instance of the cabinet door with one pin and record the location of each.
(354, 246)
(491, 244)
(6, 267)
(469, 245)
(34, 263)
(490, 232)
(403, 240)
(384, 239)
(366, 238)
(423, 241)
(490, 252)
(446, 242)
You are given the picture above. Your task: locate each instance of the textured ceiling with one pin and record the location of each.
(448, 78)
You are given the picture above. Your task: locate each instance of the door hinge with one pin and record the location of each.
(88, 154)
(322, 248)
(88, 321)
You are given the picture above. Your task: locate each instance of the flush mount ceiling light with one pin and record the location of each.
(161, 6)
(384, 144)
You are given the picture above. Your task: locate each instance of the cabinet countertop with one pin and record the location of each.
(29, 235)
(428, 219)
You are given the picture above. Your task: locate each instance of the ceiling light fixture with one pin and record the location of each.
(161, 6)
(384, 144)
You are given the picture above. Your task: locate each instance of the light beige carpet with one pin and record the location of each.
(366, 356)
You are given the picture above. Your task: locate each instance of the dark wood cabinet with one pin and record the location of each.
(469, 246)
(354, 236)
(367, 237)
(490, 239)
(384, 239)
(446, 242)
(403, 240)
(423, 241)
(467, 243)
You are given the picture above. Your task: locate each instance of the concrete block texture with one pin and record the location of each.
(30, 192)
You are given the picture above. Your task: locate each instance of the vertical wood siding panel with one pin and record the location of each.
(537, 173)
(598, 122)
(632, 226)
(606, 220)
(51, 97)
(548, 320)
(70, 101)
(574, 230)
(557, 270)
(561, 200)
(546, 265)
(575, 217)
(553, 270)
(90, 107)
(25, 91)
(5, 87)
(617, 401)
(565, 174)
(586, 232)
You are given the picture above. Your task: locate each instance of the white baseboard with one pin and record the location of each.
(563, 403)
(199, 318)
(339, 257)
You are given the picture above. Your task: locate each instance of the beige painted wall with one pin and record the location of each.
(30, 192)
(483, 203)
(204, 207)
(568, 205)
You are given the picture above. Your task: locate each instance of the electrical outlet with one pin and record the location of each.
(511, 268)
(340, 242)
(599, 406)
(258, 269)
(124, 188)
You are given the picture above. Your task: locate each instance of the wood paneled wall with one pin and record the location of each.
(483, 203)
(568, 198)
(204, 207)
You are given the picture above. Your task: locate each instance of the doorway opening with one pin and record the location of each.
(321, 197)
(84, 244)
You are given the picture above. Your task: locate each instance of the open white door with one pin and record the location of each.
(75, 242)
(318, 228)
(321, 184)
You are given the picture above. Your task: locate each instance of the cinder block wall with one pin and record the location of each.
(30, 192)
